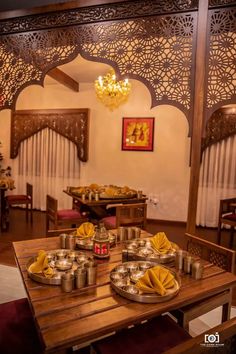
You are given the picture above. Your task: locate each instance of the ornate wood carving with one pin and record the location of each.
(221, 125)
(159, 51)
(221, 88)
(73, 124)
(99, 13)
(216, 3)
(156, 46)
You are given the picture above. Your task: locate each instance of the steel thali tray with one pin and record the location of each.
(61, 260)
(124, 282)
(141, 249)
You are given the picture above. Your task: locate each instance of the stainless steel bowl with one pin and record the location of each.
(63, 264)
(121, 282)
(144, 265)
(117, 276)
(132, 266)
(145, 252)
(136, 275)
(121, 269)
(131, 289)
(61, 254)
(81, 258)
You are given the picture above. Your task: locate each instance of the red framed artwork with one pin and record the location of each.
(138, 134)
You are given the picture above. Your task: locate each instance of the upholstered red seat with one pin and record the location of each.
(15, 198)
(18, 334)
(229, 217)
(68, 214)
(23, 199)
(155, 336)
(109, 222)
(60, 217)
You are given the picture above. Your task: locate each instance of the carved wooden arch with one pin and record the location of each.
(150, 40)
(156, 46)
(221, 125)
(73, 124)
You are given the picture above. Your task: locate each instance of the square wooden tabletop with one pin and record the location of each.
(67, 319)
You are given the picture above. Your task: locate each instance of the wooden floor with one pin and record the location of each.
(21, 230)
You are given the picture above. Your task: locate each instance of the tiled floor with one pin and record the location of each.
(12, 289)
(11, 284)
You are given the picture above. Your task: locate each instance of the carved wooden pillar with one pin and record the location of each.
(198, 112)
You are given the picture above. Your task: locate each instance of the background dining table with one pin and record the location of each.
(67, 319)
(98, 208)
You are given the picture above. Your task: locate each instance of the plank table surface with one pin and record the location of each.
(67, 319)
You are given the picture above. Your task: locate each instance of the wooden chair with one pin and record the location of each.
(227, 338)
(23, 199)
(219, 256)
(127, 215)
(18, 333)
(61, 217)
(227, 216)
(154, 336)
(188, 345)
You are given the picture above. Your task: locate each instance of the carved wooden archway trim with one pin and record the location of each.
(73, 124)
(221, 125)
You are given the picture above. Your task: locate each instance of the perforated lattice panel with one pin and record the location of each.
(222, 58)
(158, 51)
(194, 249)
(218, 259)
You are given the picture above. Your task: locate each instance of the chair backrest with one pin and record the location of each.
(225, 341)
(217, 255)
(226, 206)
(29, 191)
(51, 209)
(60, 231)
(131, 215)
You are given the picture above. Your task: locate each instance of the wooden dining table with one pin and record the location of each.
(67, 319)
(98, 208)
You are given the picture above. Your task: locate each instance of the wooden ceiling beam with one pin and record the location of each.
(64, 79)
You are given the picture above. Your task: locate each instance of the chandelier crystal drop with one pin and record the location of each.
(110, 92)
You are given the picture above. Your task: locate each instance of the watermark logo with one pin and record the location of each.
(212, 340)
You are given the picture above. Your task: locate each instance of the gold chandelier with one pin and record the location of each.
(110, 92)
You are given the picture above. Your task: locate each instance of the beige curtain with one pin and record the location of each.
(48, 161)
(217, 180)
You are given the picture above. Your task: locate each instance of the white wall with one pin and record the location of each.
(163, 173)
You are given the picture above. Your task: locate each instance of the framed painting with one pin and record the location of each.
(138, 134)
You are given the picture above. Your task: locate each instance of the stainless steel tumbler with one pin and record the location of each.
(91, 274)
(137, 232)
(179, 259)
(188, 260)
(70, 242)
(122, 233)
(80, 278)
(197, 270)
(130, 233)
(67, 282)
(63, 240)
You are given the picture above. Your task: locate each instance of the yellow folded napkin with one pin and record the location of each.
(85, 230)
(41, 265)
(161, 243)
(156, 280)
